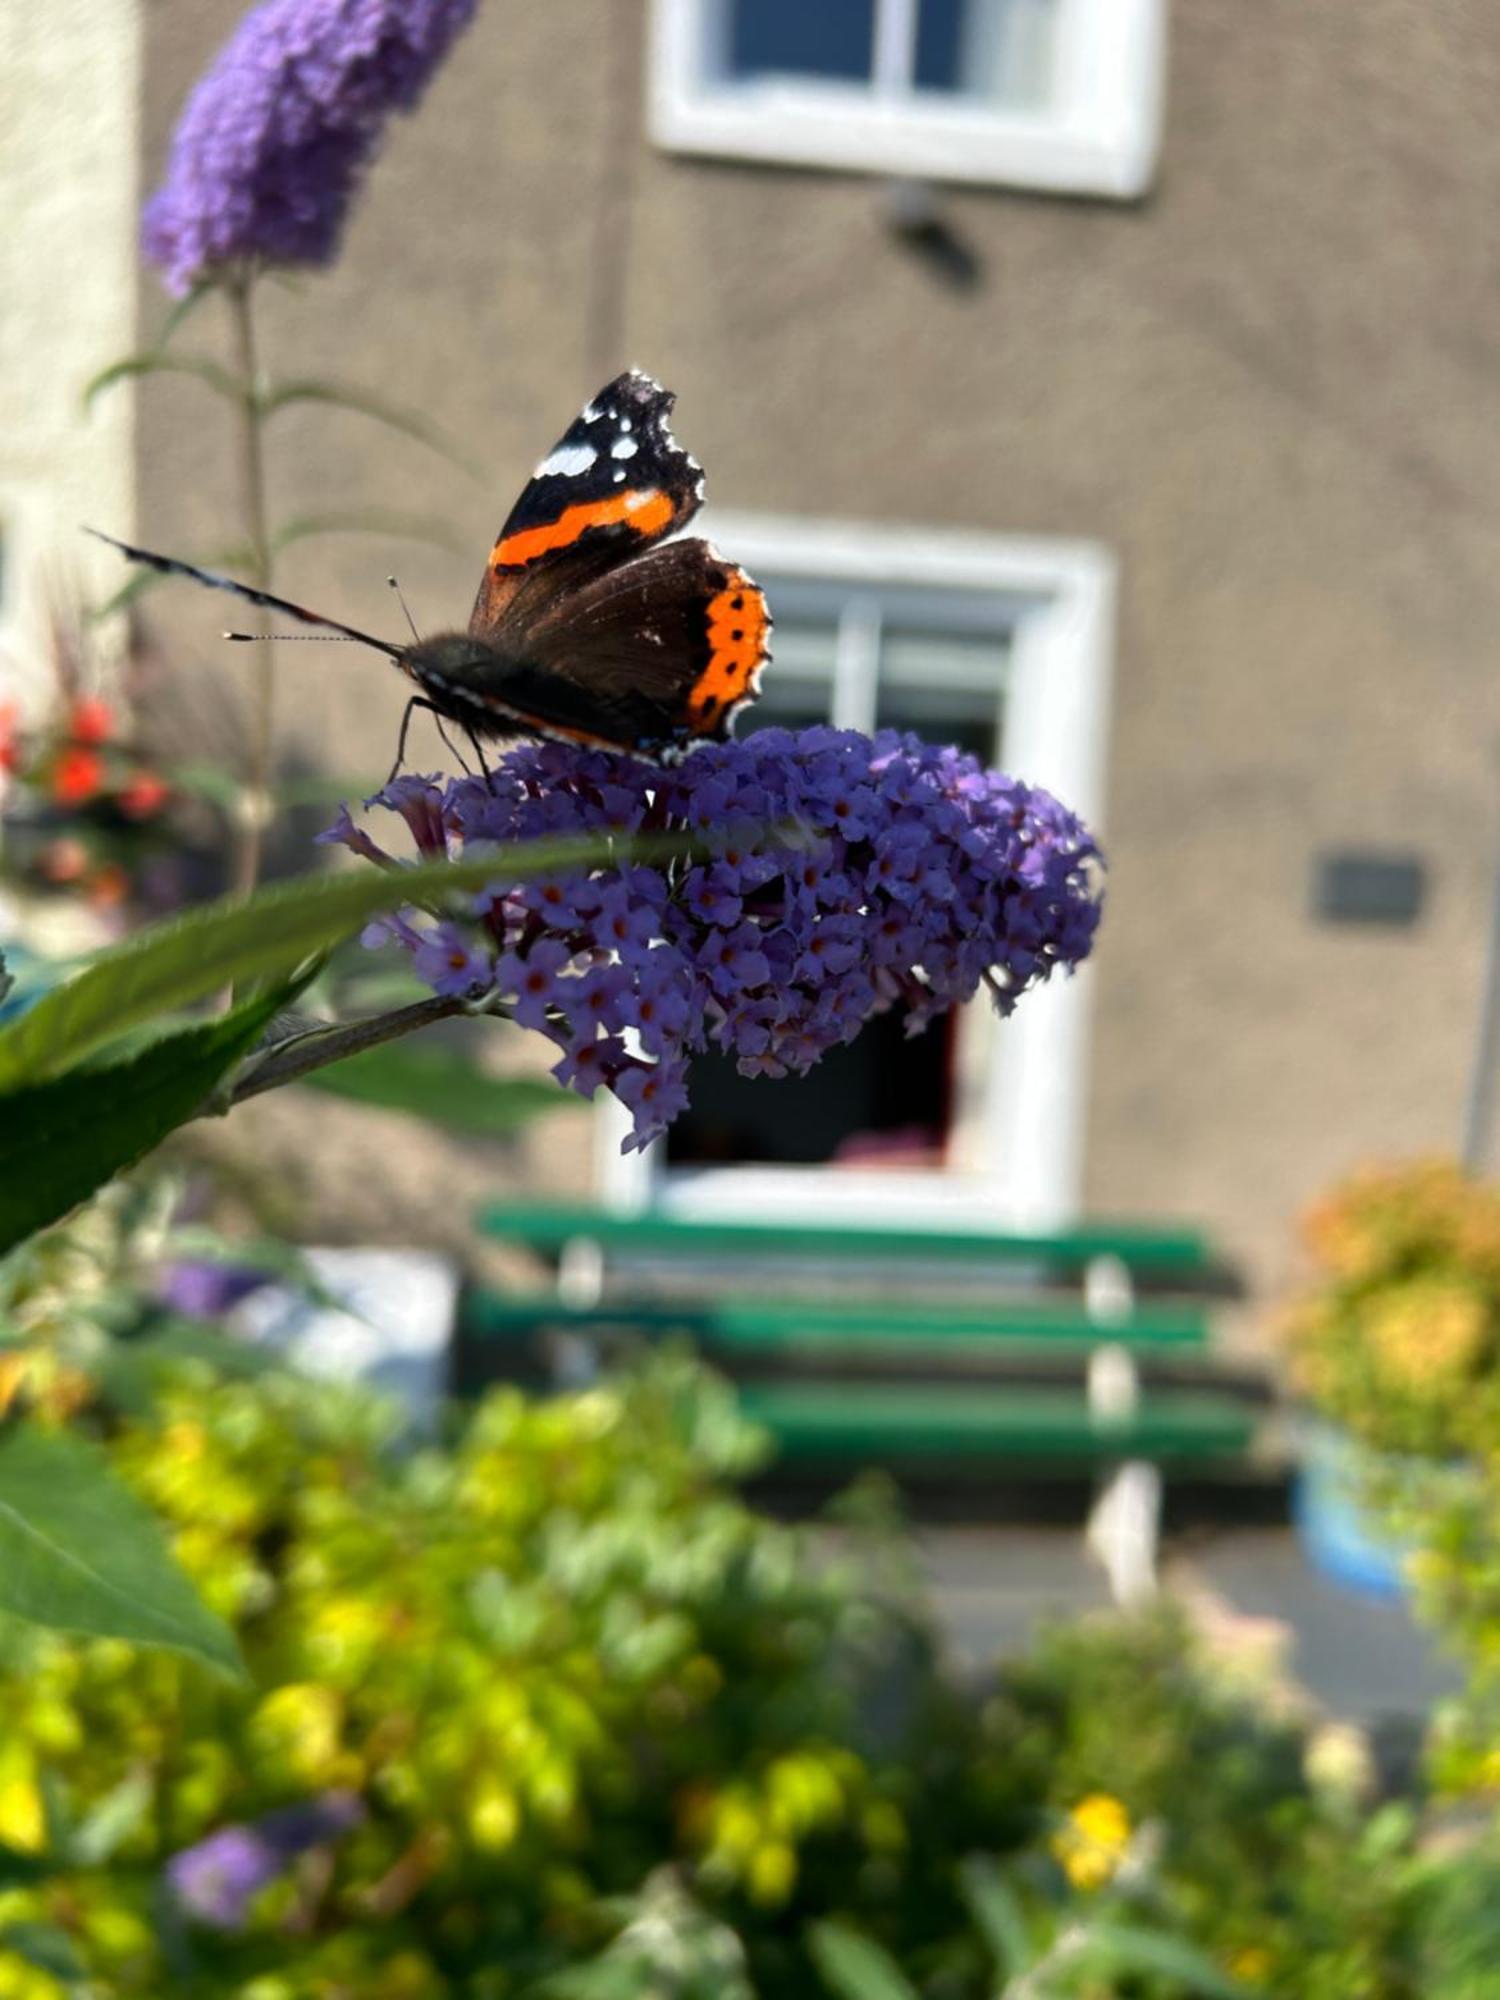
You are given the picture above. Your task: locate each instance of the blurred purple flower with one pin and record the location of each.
(200, 1289)
(843, 877)
(274, 138)
(216, 1880)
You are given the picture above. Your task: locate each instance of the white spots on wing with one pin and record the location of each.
(590, 414)
(619, 475)
(624, 447)
(626, 425)
(567, 462)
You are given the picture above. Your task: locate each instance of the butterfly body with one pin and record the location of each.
(589, 624)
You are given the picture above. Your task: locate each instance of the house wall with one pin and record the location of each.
(69, 158)
(1270, 389)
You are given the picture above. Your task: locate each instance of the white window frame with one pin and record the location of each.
(1031, 1124)
(1100, 135)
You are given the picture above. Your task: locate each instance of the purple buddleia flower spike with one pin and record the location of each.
(841, 877)
(273, 141)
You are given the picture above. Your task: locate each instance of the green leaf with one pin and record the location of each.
(188, 303)
(1125, 1950)
(172, 964)
(157, 363)
(854, 1966)
(80, 1553)
(131, 1374)
(411, 423)
(997, 1911)
(63, 1138)
(46, 1946)
(17, 1867)
(369, 521)
(442, 1085)
(111, 1822)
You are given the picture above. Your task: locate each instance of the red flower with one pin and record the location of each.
(77, 776)
(143, 795)
(92, 720)
(10, 738)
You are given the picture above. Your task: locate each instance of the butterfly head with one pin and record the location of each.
(446, 656)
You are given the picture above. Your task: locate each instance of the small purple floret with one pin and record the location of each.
(272, 143)
(842, 877)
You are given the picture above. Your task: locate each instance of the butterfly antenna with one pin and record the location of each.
(173, 566)
(402, 602)
(296, 638)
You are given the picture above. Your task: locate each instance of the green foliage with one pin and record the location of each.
(552, 1661)
(1398, 1336)
(617, 1736)
(366, 403)
(172, 964)
(80, 1552)
(441, 1085)
(1254, 1855)
(63, 1138)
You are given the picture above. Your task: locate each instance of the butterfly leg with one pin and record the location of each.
(418, 701)
(479, 753)
(415, 702)
(453, 749)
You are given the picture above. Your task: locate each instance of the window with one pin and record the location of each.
(1002, 646)
(1057, 94)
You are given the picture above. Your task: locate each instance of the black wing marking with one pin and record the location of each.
(172, 566)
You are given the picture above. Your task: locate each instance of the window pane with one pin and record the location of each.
(947, 686)
(1000, 51)
(880, 1101)
(802, 38)
(796, 689)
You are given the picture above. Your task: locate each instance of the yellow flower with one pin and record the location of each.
(1427, 1329)
(1252, 1962)
(23, 1818)
(772, 1874)
(1092, 1842)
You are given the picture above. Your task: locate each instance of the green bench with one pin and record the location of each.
(956, 1352)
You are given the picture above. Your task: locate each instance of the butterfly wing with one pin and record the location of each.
(655, 655)
(615, 483)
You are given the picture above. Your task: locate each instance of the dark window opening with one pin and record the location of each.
(882, 1100)
(832, 39)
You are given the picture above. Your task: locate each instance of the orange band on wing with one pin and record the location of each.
(737, 627)
(646, 513)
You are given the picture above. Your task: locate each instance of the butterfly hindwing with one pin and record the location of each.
(655, 655)
(615, 483)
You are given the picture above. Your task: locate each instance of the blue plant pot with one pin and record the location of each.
(1340, 1536)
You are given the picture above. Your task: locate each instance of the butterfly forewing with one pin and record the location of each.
(615, 483)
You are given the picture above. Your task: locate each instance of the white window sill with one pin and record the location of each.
(822, 129)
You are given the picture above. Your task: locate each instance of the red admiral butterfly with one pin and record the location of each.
(584, 628)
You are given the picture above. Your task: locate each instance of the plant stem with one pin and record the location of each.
(255, 796)
(300, 1055)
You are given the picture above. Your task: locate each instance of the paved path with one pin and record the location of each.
(1360, 1658)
